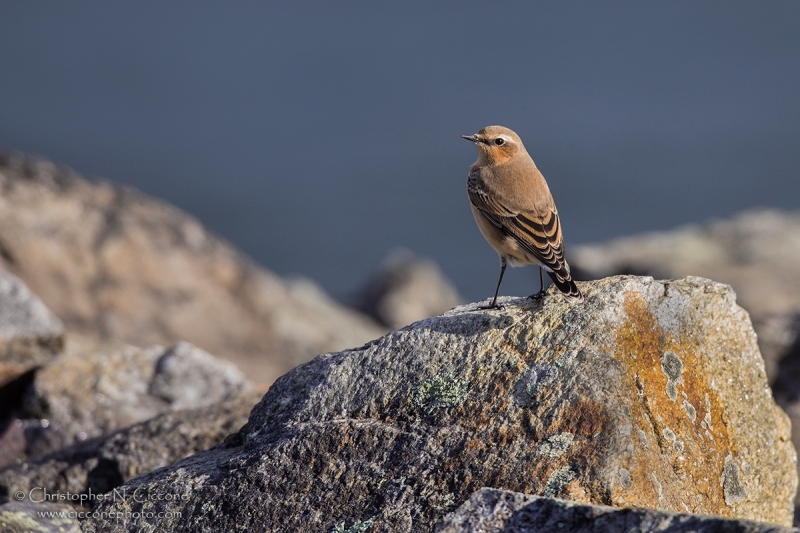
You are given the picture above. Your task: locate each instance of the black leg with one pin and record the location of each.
(541, 280)
(539, 294)
(499, 281)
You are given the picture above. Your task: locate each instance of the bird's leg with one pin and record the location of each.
(499, 281)
(539, 294)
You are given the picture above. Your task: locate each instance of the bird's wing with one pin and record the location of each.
(537, 229)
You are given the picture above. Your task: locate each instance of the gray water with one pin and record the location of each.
(318, 136)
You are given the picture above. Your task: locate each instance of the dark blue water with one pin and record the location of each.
(317, 137)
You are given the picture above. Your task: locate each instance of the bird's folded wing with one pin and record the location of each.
(537, 233)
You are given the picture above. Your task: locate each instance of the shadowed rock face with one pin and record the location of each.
(499, 511)
(650, 394)
(118, 265)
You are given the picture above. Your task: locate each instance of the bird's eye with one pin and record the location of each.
(499, 141)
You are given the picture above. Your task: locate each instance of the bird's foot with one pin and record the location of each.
(493, 305)
(537, 295)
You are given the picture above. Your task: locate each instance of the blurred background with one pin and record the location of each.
(318, 137)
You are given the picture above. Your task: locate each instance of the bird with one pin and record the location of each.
(515, 211)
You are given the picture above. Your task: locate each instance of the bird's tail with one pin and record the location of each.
(567, 287)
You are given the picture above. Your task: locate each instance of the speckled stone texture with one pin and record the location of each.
(499, 511)
(650, 394)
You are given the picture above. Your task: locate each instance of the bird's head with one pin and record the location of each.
(496, 144)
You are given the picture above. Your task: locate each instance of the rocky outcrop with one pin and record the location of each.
(117, 265)
(499, 511)
(650, 394)
(405, 290)
(92, 390)
(100, 465)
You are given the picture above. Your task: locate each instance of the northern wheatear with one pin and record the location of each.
(515, 211)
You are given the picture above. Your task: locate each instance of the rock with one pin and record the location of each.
(27, 517)
(95, 467)
(118, 265)
(30, 334)
(756, 252)
(407, 289)
(91, 391)
(649, 394)
(499, 511)
(12, 440)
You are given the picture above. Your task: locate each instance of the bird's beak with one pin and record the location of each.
(472, 138)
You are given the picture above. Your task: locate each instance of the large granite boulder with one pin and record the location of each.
(500, 511)
(116, 264)
(650, 394)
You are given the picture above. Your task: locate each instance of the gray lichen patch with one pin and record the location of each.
(672, 366)
(731, 486)
(533, 381)
(566, 359)
(557, 481)
(440, 392)
(668, 434)
(707, 418)
(690, 410)
(659, 487)
(556, 445)
(357, 527)
(672, 390)
(625, 479)
(643, 438)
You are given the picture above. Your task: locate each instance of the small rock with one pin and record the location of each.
(30, 334)
(407, 289)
